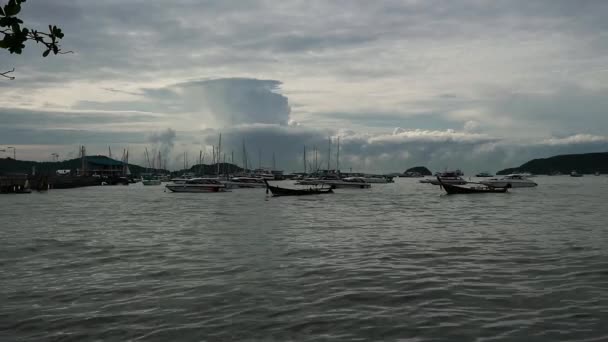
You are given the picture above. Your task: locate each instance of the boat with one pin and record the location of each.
(484, 175)
(575, 174)
(348, 182)
(150, 181)
(512, 180)
(278, 191)
(448, 177)
(379, 179)
(597, 173)
(457, 189)
(197, 185)
(245, 182)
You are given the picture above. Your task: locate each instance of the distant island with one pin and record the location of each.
(420, 169)
(586, 163)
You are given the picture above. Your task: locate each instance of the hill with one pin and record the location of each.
(421, 170)
(9, 165)
(583, 163)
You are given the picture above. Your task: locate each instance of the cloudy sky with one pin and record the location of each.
(477, 85)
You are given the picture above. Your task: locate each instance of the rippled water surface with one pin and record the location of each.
(398, 261)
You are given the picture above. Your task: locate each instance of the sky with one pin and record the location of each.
(470, 84)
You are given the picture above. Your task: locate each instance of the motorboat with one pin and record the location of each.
(198, 185)
(575, 174)
(475, 189)
(278, 191)
(484, 175)
(448, 177)
(245, 182)
(512, 181)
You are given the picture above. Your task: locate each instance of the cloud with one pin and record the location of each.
(164, 141)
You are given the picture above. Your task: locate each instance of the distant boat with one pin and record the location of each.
(278, 191)
(457, 189)
(513, 181)
(597, 173)
(448, 177)
(484, 174)
(379, 179)
(245, 182)
(575, 174)
(150, 181)
(348, 182)
(197, 185)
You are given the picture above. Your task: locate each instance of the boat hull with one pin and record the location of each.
(457, 190)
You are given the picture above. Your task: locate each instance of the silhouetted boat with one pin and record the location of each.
(278, 191)
(457, 189)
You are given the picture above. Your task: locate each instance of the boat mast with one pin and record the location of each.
(338, 156)
(259, 158)
(328, 154)
(219, 149)
(304, 159)
(200, 162)
(316, 159)
(274, 162)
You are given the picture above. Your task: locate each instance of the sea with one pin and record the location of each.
(397, 262)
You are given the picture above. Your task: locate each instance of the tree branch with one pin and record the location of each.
(5, 74)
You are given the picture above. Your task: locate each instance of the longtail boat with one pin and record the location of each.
(278, 191)
(483, 189)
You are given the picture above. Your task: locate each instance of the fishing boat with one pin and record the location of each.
(513, 181)
(198, 185)
(278, 191)
(458, 189)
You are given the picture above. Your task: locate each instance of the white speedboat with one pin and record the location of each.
(452, 178)
(198, 185)
(510, 181)
(244, 182)
(348, 182)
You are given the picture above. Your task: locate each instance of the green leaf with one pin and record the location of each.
(46, 53)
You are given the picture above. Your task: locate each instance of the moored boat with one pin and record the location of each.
(348, 182)
(278, 191)
(448, 177)
(244, 182)
(483, 189)
(513, 181)
(197, 185)
(484, 174)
